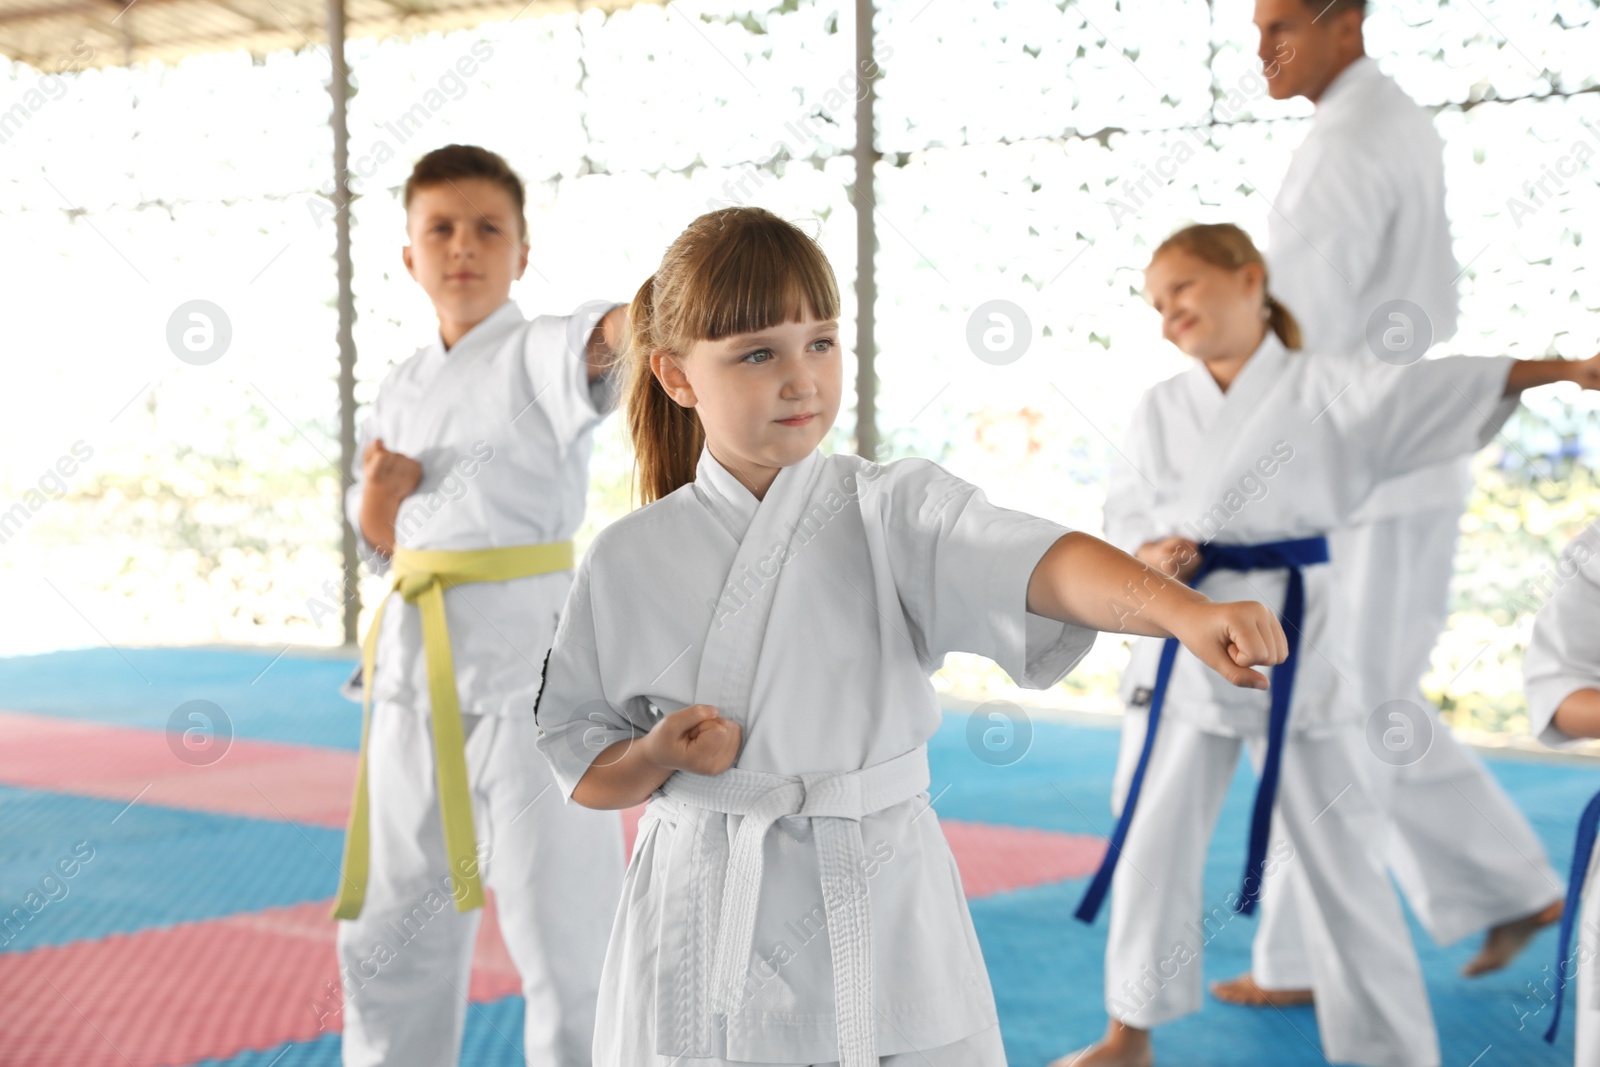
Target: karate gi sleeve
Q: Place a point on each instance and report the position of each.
(1129, 521)
(1403, 418)
(1563, 654)
(558, 370)
(576, 720)
(961, 566)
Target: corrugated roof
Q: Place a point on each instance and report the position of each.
(75, 34)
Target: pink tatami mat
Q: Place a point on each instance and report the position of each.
(193, 991)
(260, 779)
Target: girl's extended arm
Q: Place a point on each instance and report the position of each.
(1081, 580)
(1086, 582)
(1532, 373)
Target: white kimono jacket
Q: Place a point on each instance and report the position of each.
(1360, 221)
(1295, 443)
(813, 617)
(503, 424)
(1564, 652)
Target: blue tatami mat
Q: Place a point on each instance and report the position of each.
(268, 695)
(156, 866)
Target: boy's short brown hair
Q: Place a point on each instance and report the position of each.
(456, 161)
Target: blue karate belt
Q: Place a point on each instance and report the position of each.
(1588, 822)
(1271, 555)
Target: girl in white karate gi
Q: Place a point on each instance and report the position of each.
(750, 652)
(1239, 466)
(1561, 673)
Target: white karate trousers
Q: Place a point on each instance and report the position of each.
(1465, 857)
(1371, 1005)
(556, 871)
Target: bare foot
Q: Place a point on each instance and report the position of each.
(1244, 991)
(1123, 1046)
(1502, 943)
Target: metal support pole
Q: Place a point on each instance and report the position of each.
(866, 158)
(339, 90)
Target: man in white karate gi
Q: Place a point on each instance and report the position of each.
(1359, 226)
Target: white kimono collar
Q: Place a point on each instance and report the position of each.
(1344, 84)
(484, 337)
(730, 499)
(1261, 364)
(1224, 417)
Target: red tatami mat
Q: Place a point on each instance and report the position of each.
(193, 991)
(997, 859)
(261, 779)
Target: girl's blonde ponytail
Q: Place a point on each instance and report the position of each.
(667, 437)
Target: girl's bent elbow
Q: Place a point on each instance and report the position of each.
(586, 794)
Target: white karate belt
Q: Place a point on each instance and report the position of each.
(836, 803)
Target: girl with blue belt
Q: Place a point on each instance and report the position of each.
(1561, 672)
(1232, 474)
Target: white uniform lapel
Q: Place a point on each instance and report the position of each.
(733, 641)
(726, 678)
(1210, 472)
(444, 384)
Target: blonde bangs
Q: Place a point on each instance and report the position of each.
(755, 271)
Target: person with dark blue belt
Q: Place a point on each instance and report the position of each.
(1232, 474)
(1561, 673)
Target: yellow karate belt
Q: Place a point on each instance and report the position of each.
(421, 577)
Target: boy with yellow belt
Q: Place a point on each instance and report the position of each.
(472, 482)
